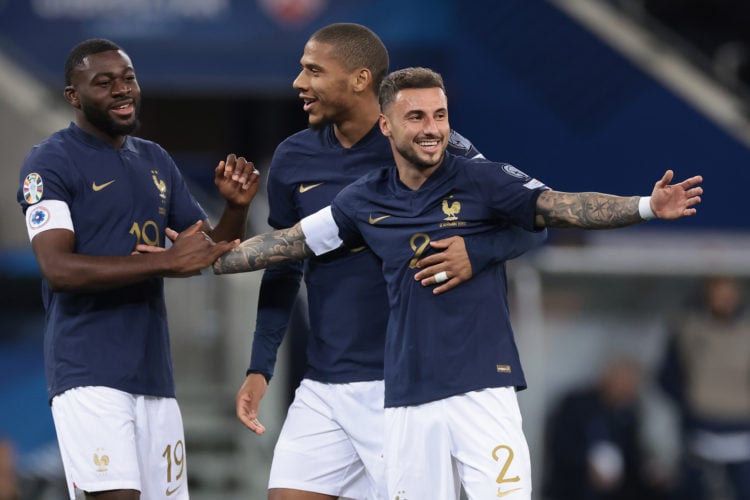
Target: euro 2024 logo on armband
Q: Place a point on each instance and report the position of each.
(33, 188)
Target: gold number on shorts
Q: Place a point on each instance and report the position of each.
(419, 243)
(501, 477)
(176, 457)
(143, 235)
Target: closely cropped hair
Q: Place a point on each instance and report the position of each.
(356, 46)
(83, 50)
(408, 78)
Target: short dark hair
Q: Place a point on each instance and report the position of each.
(83, 50)
(408, 78)
(356, 46)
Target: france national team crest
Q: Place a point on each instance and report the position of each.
(38, 217)
(33, 188)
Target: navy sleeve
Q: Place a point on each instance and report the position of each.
(278, 292)
(496, 247)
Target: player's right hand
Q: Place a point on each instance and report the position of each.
(248, 401)
(194, 250)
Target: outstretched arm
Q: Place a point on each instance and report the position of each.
(606, 211)
(263, 250)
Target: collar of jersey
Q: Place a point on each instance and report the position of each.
(333, 140)
(442, 174)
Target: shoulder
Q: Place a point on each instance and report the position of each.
(299, 142)
(461, 146)
(49, 155)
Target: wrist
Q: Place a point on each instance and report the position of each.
(644, 208)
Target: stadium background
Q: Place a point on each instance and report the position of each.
(599, 95)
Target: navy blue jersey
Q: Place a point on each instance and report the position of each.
(117, 198)
(346, 293)
(441, 345)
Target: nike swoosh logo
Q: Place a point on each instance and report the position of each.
(375, 220)
(304, 189)
(172, 492)
(504, 493)
(99, 187)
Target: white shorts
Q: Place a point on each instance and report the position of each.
(473, 439)
(112, 440)
(332, 441)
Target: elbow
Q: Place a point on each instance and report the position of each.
(56, 276)
(57, 282)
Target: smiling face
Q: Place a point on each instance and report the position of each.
(325, 85)
(416, 123)
(106, 95)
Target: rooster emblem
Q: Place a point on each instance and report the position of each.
(101, 462)
(451, 210)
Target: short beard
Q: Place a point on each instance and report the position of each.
(101, 120)
(418, 162)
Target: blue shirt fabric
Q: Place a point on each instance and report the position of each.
(116, 338)
(346, 292)
(441, 345)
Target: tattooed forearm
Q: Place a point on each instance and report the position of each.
(263, 250)
(586, 210)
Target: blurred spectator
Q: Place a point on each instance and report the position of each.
(706, 370)
(593, 444)
(8, 478)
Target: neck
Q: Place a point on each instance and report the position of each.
(115, 141)
(411, 175)
(358, 124)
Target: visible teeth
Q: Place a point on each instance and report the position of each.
(428, 144)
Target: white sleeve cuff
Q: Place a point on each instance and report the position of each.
(321, 231)
(644, 208)
(48, 214)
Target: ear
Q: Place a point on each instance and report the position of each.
(71, 96)
(361, 79)
(385, 127)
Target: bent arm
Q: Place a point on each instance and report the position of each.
(67, 270)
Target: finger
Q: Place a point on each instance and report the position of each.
(141, 248)
(687, 183)
(220, 169)
(171, 233)
(230, 164)
(431, 260)
(253, 181)
(666, 179)
(428, 272)
(444, 287)
(192, 229)
(442, 244)
(239, 172)
(223, 247)
(255, 426)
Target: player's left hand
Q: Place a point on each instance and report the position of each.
(451, 259)
(676, 200)
(237, 180)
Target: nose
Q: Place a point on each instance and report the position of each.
(300, 83)
(121, 87)
(429, 126)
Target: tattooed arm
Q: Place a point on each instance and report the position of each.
(263, 250)
(606, 211)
